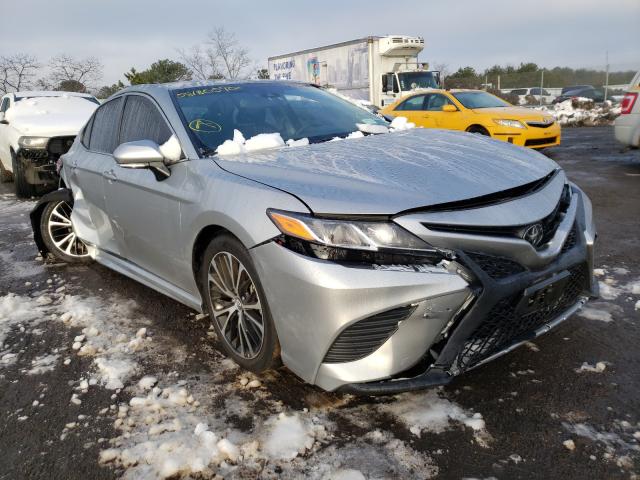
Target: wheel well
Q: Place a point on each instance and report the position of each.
(203, 239)
(477, 128)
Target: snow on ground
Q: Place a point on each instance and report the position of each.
(582, 112)
(619, 442)
(430, 411)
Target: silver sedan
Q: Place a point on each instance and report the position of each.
(365, 258)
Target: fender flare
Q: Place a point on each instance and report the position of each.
(62, 194)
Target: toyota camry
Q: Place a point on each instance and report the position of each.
(363, 256)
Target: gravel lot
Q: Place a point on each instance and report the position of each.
(567, 406)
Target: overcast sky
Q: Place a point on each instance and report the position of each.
(134, 33)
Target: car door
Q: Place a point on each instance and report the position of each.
(145, 212)
(433, 104)
(84, 171)
(413, 110)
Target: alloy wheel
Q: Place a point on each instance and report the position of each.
(236, 305)
(62, 233)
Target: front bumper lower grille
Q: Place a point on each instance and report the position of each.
(504, 326)
(365, 336)
(537, 142)
(496, 267)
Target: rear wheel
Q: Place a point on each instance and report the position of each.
(59, 235)
(480, 130)
(23, 188)
(237, 306)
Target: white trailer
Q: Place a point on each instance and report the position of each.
(377, 69)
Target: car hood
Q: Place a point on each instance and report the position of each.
(517, 113)
(50, 116)
(390, 173)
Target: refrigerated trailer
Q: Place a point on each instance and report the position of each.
(377, 69)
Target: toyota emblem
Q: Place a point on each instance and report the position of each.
(533, 234)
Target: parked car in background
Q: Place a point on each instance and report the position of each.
(477, 111)
(584, 91)
(537, 94)
(366, 260)
(35, 129)
(627, 125)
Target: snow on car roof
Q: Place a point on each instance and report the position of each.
(42, 93)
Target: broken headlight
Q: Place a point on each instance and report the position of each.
(352, 241)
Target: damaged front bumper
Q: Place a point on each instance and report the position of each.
(384, 331)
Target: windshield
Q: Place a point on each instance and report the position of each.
(413, 80)
(480, 100)
(212, 113)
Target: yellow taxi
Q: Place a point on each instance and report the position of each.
(480, 112)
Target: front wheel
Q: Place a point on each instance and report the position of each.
(477, 129)
(59, 236)
(237, 305)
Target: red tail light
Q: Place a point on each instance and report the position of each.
(628, 101)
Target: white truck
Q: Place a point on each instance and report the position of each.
(375, 69)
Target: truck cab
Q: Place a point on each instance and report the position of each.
(399, 84)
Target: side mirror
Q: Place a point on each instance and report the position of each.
(449, 108)
(3, 121)
(142, 154)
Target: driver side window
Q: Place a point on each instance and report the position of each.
(5, 105)
(142, 121)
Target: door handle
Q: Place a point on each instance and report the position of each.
(110, 175)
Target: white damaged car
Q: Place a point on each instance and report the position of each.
(35, 129)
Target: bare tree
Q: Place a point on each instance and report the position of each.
(65, 68)
(233, 57)
(202, 61)
(220, 56)
(17, 72)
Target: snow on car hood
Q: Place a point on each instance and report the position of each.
(50, 116)
(387, 174)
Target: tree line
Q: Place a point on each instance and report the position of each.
(530, 75)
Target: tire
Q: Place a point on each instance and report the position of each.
(237, 312)
(23, 188)
(5, 175)
(479, 130)
(59, 236)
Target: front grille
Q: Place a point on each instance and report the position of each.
(496, 267)
(503, 327)
(366, 336)
(571, 240)
(536, 142)
(549, 224)
(540, 124)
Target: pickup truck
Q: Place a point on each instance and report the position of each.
(36, 128)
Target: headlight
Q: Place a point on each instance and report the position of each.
(352, 240)
(509, 123)
(36, 143)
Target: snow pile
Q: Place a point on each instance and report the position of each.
(592, 313)
(288, 437)
(262, 141)
(580, 112)
(45, 115)
(401, 123)
(431, 412)
(163, 437)
(43, 364)
(599, 367)
(18, 311)
(103, 335)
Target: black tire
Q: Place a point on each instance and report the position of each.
(268, 354)
(74, 251)
(479, 130)
(5, 175)
(23, 188)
